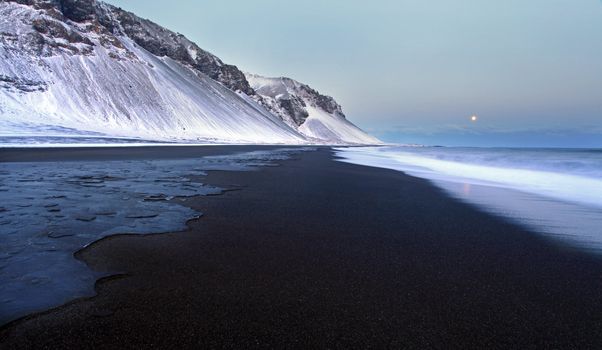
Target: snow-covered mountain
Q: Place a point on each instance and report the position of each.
(83, 67)
(303, 108)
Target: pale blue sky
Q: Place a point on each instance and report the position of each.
(415, 70)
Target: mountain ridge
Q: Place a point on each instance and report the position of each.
(305, 109)
(138, 80)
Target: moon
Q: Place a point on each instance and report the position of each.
(474, 118)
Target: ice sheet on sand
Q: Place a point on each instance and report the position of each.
(49, 210)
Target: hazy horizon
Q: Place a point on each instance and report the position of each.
(413, 71)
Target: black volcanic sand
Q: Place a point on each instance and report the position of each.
(323, 254)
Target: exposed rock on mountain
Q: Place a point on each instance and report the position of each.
(311, 113)
(93, 68)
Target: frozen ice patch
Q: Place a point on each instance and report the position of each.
(52, 209)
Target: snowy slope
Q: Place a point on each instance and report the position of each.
(303, 108)
(121, 92)
(87, 68)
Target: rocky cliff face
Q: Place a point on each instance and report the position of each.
(39, 39)
(162, 42)
(311, 113)
(108, 22)
(289, 98)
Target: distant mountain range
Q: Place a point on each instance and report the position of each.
(84, 67)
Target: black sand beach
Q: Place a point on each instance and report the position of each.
(322, 254)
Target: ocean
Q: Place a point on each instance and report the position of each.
(553, 192)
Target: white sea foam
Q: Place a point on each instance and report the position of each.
(556, 191)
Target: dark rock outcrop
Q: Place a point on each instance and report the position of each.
(110, 22)
(162, 42)
(295, 107)
(56, 30)
(78, 10)
(289, 98)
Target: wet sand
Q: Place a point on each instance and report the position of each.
(322, 254)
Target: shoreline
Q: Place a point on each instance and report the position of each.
(357, 261)
(546, 198)
(81, 199)
(161, 152)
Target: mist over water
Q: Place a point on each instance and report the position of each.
(553, 191)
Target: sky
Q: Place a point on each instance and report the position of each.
(415, 71)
